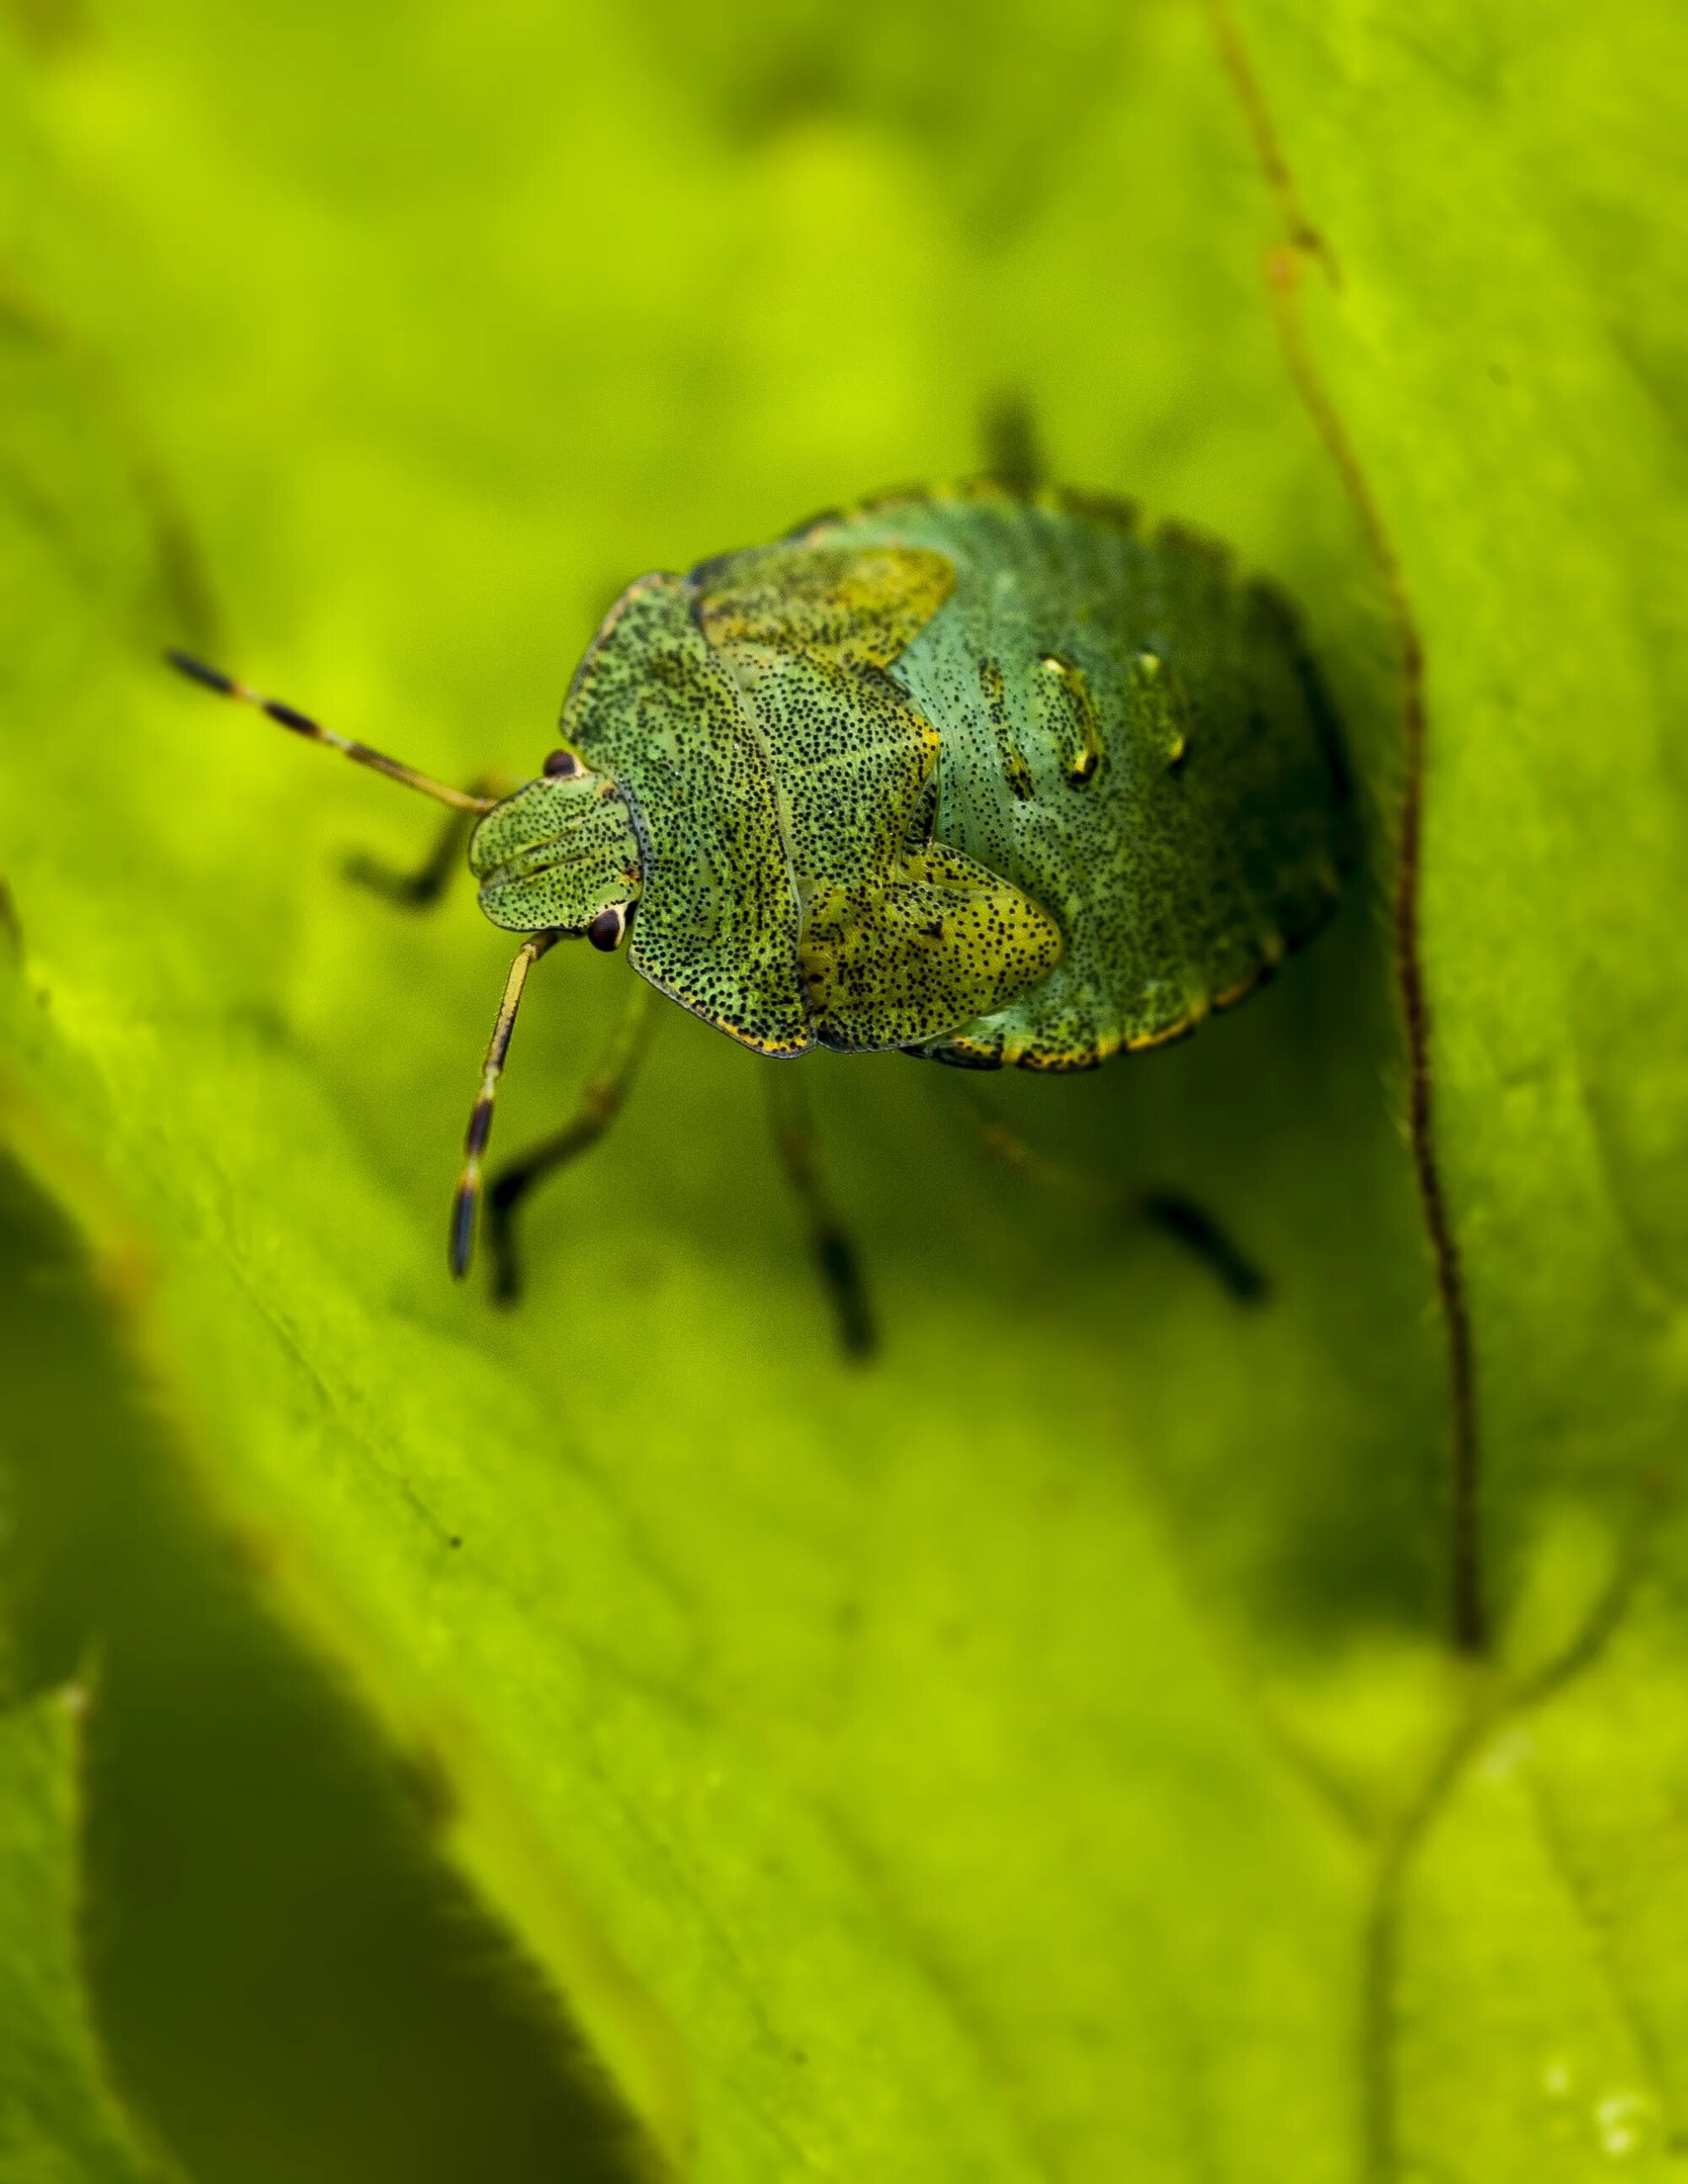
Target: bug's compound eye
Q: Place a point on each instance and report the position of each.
(608, 928)
(561, 766)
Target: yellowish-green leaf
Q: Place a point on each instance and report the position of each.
(59, 2121)
(1039, 1755)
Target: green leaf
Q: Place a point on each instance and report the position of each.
(289, 1976)
(60, 2122)
(1042, 1754)
(1512, 376)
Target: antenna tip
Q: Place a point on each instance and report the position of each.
(462, 1209)
(196, 670)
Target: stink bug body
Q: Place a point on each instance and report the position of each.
(986, 776)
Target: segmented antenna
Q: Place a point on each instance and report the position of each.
(464, 1206)
(301, 724)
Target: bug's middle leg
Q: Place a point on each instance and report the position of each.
(601, 1102)
(835, 1254)
(1175, 1215)
(421, 888)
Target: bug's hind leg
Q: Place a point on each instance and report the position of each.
(601, 1102)
(1175, 1215)
(1197, 1229)
(834, 1252)
(421, 889)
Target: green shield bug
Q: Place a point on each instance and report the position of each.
(987, 775)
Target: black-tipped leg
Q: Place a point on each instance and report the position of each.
(834, 1251)
(1199, 1233)
(602, 1101)
(1174, 1215)
(422, 888)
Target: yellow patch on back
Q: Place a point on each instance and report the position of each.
(859, 606)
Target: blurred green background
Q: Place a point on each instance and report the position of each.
(619, 1740)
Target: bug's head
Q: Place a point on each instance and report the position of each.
(559, 855)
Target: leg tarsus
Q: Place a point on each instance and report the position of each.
(504, 1193)
(602, 1101)
(1183, 1219)
(840, 1265)
(835, 1255)
(1173, 1214)
(511, 1184)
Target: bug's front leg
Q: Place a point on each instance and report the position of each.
(422, 888)
(834, 1251)
(605, 1093)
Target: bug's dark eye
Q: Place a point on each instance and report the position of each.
(562, 765)
(606, 929)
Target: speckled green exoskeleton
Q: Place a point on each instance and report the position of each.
(986, 776)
